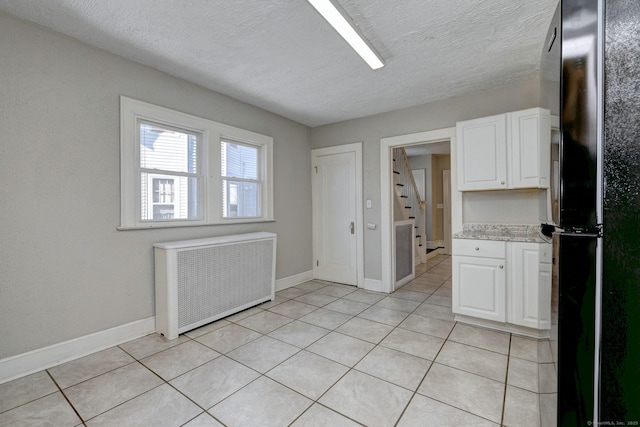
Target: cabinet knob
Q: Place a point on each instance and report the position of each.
(502, 266)
(477, 248)
(501, 182)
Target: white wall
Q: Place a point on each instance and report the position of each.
(65, 271)
(436, 115)
(504, 207)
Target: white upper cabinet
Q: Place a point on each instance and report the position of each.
(506, 151)
(530, 149)
(482, 153)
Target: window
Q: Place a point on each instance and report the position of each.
(241, 183)
(170, 175)
(179, 170)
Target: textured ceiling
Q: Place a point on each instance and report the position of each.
(282, 56)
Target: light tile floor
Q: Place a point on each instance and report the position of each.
(320, 354)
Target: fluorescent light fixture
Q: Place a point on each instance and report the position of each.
(341, 24)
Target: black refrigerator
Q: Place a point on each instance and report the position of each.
(594, 47)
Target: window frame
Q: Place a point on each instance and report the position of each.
(259, 177)
(132, 112)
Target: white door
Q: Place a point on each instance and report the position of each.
(334, 218)
(446, 200)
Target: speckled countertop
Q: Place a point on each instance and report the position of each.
(509, 233)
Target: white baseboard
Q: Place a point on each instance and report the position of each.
(372, 285)
(435, 244)
(296, 279)
(43, 358)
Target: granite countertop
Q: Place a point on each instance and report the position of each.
(504, 232)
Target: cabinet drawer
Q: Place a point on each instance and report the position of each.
(481, 248)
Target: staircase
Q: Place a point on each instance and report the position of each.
(408, 203)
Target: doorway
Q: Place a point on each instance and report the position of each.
(337, 214)
(443, 136)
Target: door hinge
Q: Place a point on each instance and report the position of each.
(317, 263)
(316, 168)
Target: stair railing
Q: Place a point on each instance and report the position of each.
(407, 191)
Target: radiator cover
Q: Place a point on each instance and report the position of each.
(203, 280)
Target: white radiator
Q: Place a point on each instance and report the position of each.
(199, 281)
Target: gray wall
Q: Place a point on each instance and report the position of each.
(65, 271)
(436, 115)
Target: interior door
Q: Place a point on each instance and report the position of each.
(334, 218)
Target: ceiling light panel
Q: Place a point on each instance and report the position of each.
(339, 21)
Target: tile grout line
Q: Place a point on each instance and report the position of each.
(353, 368)
(82, 420)
(168, 383)
(350, 368)
(425, 375)
(506, 379)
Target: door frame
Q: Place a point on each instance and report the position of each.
(386, 192)
(359, 226)
(447, 216)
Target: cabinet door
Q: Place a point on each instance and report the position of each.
(482, 153)
(530, 159)
(524, 264)
(545, 296)
(479, 287)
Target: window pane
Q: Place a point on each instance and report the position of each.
(167, 149)
(240, 199)
(239, 160)
(166, 197)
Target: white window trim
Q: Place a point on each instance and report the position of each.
(132, 110)
(260, 169)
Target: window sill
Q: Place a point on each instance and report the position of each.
(213, 224)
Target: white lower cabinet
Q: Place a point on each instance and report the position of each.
(505, 282)
(527, 288)
(479, 279)
(479, 287)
